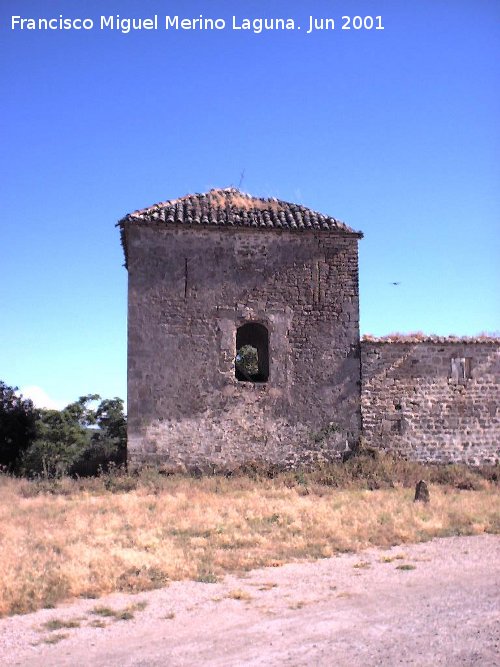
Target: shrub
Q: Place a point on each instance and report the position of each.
(18, 419)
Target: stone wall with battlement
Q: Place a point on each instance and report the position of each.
(432, 399)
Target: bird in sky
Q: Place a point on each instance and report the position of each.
(395, 283)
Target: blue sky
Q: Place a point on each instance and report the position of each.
(395, 131)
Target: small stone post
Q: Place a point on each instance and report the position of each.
(421, 492)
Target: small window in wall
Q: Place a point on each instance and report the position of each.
(460, 369)
(252, 353)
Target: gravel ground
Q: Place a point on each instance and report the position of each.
(435, 603)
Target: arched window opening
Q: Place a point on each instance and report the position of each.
(252, 353)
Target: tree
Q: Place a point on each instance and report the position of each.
(111, 420)
(110, 440)
(62, 437)
(78, 440)
(18, 418)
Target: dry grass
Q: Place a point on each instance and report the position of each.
(72, 538)
(239, 594)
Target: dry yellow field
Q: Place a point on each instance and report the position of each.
(86, 540)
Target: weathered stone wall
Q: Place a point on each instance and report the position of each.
(189, 290)
(433, 400)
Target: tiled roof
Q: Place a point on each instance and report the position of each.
(420, 337)
(231, 208)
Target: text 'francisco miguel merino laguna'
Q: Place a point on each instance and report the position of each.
(256, 25)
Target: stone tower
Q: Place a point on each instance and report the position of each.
(243, 333)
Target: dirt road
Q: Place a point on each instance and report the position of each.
(429, 604)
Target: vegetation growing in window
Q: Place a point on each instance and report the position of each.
(247, 361)
(252, 353)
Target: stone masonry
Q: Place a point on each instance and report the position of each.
(432, 399)
(192, 285)
(211, 273)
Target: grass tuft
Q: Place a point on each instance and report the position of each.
(57, 624)
(267, 586)
(362, 565)
(126, 614)
(55, 639)
(239, 594)
(104, 611)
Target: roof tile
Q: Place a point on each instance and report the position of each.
(230, 207)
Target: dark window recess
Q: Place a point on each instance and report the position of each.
(252, 353)
(461, 369)
(398, 426)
